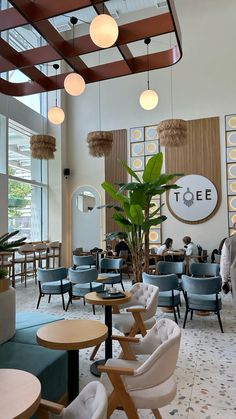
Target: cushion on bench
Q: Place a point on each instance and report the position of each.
(30, 319)
(50, 366)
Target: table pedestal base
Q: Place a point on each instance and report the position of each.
(93, 367)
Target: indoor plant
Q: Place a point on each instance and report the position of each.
(7, 246)
(133, 204)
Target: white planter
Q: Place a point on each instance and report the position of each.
(7, 314)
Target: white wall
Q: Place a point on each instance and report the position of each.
(203, 86)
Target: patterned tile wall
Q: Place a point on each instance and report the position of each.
(230, 138)
(144, 143)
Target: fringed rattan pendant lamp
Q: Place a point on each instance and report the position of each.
(100, 143)
(42, 146)
(172, 132)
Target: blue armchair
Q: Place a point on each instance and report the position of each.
(52, 281)
(202, 294)
(169, 295)
(204, 269)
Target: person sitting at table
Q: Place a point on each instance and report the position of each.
(191, 249)
(121, 245)
(163, 249)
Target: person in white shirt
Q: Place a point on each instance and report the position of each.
(165, 247)
(228, 263)
(191, 249)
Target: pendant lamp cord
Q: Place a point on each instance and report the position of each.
(56, 66)
(99, 97)
(171, 86)
(147, 41)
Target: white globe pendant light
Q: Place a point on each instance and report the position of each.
(103, 31)
(56, 115)
(74, 83)
(149, 98)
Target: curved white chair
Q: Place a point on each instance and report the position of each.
(91, 403)
(149, 384)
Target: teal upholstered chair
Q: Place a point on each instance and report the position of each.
(52, 281)
(204, 269)
(81, 282)
(178, 268)
(202, 294)
(109, 264)
(83, 262)
(164, 268)
(169, 296)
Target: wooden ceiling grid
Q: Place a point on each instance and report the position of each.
(37, 14)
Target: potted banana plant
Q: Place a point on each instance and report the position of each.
(133, 209)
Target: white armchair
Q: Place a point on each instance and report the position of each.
(91, 403)
(137, 316)
(150, 384)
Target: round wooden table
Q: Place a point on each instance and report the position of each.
(72, 335)
(96, 299)
(20, 394)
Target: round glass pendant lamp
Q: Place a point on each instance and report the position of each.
(74, 84)
(103, 31)
(148, 99)
(56, 115)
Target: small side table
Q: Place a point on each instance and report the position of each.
(20, 394)
(94, 298)
(72, 335)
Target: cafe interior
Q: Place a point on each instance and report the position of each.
(117, 191)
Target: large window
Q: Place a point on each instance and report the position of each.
(27, 186)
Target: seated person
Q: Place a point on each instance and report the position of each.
(121, 245)
(217, 251)
(191, 249)
(165, 247)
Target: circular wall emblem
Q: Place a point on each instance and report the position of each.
(195, 200)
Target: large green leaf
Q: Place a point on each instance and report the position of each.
(111, 206)
(112, 192)
(130, 171)
(153, 222)
(153, 168)
(157, 211)
(165, 178)
(136, 214)
(138, 197)
(127, 187)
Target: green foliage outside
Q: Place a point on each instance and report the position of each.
(18, 193)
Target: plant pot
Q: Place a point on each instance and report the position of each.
(4, 284)
(7, 312)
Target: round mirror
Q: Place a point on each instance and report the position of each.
(85, 201)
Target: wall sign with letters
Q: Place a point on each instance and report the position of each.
(195, 200)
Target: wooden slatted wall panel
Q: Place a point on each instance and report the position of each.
(200, 155)
(114, 172)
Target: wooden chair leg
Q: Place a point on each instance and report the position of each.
(157, 414)
(93, 354)
(123, 397)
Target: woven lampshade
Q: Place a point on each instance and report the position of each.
(42, 147)
(172, 132)
(100, 143)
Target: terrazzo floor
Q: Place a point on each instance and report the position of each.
(206, 369)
